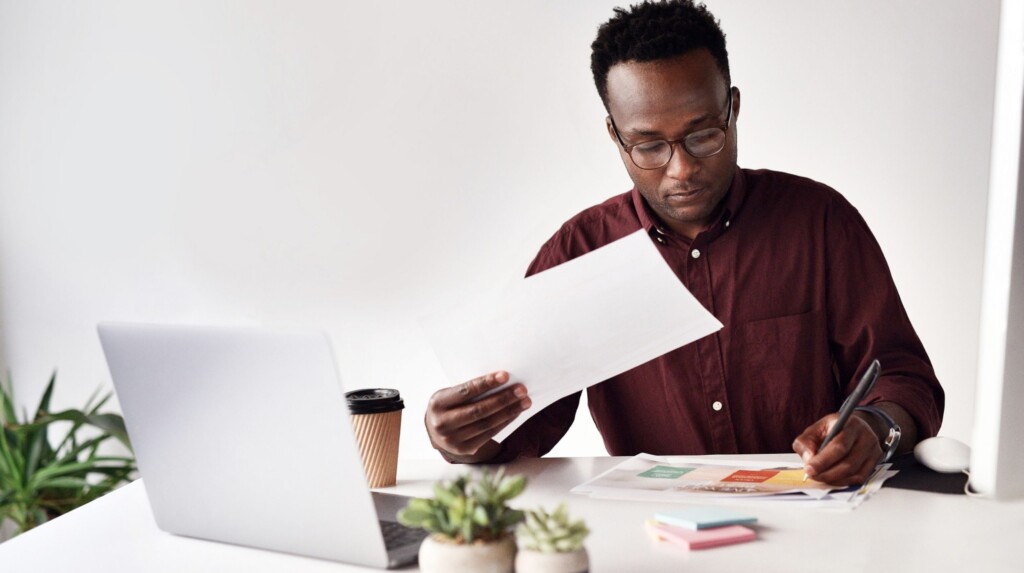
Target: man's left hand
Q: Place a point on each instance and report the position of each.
(848, 459)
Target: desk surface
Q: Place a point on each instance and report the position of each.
(897, 530)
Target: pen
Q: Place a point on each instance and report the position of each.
(846, 410)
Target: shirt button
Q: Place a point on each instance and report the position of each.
(695, 253)
(716, 406)
(660, 240)
(727, 224)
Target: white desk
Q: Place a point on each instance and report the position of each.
(897, 530)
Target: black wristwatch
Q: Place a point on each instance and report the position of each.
(892, 441)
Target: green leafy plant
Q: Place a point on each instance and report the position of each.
(40, 480)
(465, 510)
(551, 532)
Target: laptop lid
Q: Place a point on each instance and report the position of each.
(243, 436)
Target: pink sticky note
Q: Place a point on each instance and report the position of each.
(703, 538)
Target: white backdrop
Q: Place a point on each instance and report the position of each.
(355, 167)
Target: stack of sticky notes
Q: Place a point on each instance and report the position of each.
(702, 527)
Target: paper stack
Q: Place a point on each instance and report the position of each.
(702, 527)
(688, 479)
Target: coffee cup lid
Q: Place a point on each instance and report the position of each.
(374, 400)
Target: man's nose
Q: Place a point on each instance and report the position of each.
(682, 165)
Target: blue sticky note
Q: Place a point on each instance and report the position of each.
(704, 517)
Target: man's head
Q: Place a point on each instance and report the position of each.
(663, 74)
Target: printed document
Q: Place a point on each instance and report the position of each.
(574, 325)
(680, 478)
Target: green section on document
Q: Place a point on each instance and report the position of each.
(665, 472)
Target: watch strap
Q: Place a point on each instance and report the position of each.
(892, 440)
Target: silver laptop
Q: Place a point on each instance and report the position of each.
(243, 436)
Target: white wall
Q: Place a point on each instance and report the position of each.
(353, 167)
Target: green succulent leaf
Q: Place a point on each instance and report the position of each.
(512, 487)
(467, 531)
(412, 518)
(480, 516)
(444, 495)
(420, 504)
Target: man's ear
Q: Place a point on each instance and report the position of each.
(735, 103)
(611, 130)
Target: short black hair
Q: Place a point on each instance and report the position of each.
(654, 31)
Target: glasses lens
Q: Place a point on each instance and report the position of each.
(705, 142)
(651, 154)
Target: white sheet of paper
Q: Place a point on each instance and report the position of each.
(574, 325)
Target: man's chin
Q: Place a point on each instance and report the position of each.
(687, 221)
(693, 216)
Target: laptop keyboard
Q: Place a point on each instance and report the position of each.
(398, 535)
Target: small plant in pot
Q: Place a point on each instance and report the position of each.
(470, 523)
(551, 543)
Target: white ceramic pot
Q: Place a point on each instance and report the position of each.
(539, 562)
(7, 529)
(441, 557)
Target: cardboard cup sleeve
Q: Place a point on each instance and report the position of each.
(377, 435)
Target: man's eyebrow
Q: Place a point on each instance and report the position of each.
(645, 132)
(642, 132)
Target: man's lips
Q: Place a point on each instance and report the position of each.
(684, 195)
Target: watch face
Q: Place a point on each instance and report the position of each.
(890, 440)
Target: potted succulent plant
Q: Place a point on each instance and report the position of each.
(39, 479)
(551, 543)
(470, 523)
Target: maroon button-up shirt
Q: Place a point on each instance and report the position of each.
(795, 275)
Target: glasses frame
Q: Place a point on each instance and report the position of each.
(681, 141)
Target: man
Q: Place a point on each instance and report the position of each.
(785, 263)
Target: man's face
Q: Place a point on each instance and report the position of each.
(669, 99)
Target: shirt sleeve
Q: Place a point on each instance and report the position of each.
(867, 320)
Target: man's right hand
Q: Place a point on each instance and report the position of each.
(462, 428)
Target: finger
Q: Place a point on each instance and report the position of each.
(866, 470)
(474, 412)
(467, 391)
(840, 473)
(445, 423)
(868, 453)
(849, 472)
(454, 426)
(806, 444)
(487, 427)
(497, 423)
(834, 453)
(468, 439)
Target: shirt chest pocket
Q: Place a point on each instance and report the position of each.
(784, 363)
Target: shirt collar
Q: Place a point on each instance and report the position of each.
(732, 204)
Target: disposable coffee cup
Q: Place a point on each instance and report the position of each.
(376, 415)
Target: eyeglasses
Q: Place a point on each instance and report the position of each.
(657, 153)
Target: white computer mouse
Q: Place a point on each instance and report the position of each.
(942, 454)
